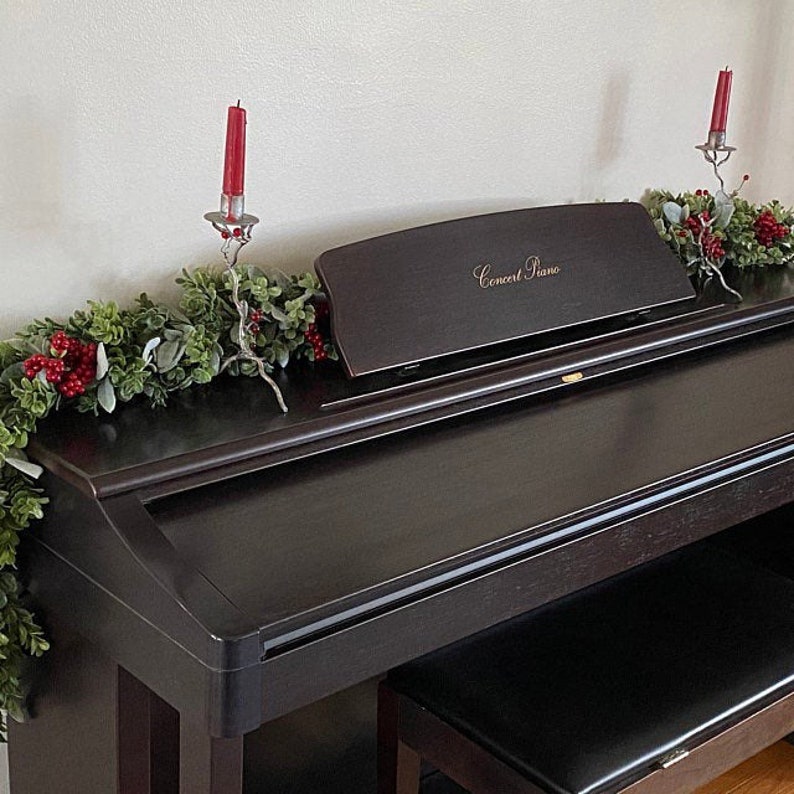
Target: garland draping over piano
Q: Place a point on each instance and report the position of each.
(105, 355)
(724, 228)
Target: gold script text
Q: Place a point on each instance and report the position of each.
(532, 268)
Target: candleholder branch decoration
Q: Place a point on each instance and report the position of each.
(708, 231)
(716, 152)
(235, 231)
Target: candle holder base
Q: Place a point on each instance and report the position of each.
(713, 149)
(235, 233)
(228, 223)
(705, 147)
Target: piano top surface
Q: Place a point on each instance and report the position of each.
(233, 419)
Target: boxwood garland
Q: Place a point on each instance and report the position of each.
(105, 355)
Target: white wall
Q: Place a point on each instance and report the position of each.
(364, 116)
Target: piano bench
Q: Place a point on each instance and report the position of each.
(652, 682)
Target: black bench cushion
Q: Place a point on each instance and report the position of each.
(594, 689)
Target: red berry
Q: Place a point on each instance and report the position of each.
(225, 235)
(237, 231)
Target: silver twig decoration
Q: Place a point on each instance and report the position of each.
(236, 232)
(716, 152)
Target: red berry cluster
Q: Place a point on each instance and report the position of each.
(314, 336)
(768, 230)
(72, 365)
(254, 318)
(315, 339)
(712, 245)
(703, 192)
(236, 232)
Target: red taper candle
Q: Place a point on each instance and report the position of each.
(722, 97)
(234, 165)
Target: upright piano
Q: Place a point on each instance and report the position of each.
(529, 403)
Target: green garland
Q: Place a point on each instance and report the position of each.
(106, 355)
(148, 350)
(740, 234)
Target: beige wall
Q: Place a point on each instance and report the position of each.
(364, 116)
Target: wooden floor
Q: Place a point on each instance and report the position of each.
(769, 772)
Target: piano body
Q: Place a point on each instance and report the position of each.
(209, 568)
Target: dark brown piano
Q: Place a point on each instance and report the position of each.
(212, 574)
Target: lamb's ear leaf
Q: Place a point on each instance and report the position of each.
(673, 212)
(106, 395)
(101, 361)
(19, 460)
(149, 347)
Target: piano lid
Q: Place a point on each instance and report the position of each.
(464, 284)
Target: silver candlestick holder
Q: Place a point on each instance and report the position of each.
(235, 228)
(716, 152)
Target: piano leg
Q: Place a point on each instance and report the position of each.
(208, 765)
(148, 744)
(398, 764)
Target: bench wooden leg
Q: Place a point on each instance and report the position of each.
(398, 764)
(408, 733)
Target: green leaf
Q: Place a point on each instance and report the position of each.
(672, 212)
(13, 372)
(279, 315)
(19, 460)
(169, 353)
(721, 198)
(724, 215)
(149, 347)
(101, 361)
(107, 395)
